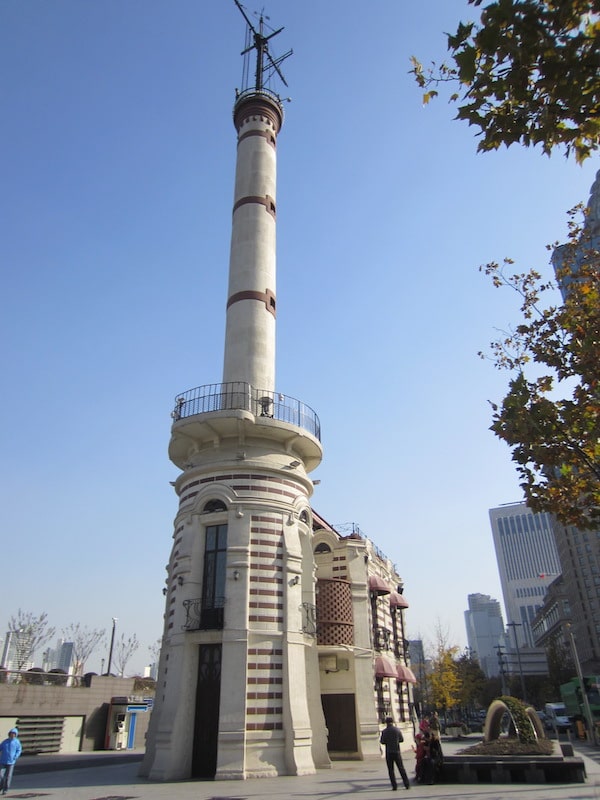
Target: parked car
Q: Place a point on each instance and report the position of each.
(556, 717)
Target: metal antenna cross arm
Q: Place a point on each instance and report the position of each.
(264, 60)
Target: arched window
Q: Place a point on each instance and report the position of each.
(214, 505)
(304, 516)
(322, 548)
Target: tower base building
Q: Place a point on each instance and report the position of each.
(239, 689)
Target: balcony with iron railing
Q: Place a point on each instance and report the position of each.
(382, 638)
(203, 615)
(309, 619)
(242, 396)
(217, 410)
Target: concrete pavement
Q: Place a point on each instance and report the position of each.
(113, 776)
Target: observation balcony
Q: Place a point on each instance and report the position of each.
(217, 411)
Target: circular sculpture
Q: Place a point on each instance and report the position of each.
(525, 721)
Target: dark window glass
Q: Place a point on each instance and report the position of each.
(213, 585)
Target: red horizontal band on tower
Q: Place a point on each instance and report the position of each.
(266, 201)
(267, 297)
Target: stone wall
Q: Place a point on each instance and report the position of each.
(90, 702)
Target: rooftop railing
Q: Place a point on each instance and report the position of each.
(243, 396)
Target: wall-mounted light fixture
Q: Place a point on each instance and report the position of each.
(165, 590)
(295, 580)
(294, 464)
(236, 574)
(180, 580)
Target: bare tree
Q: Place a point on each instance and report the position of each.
(124, 649)
(154, 649)
(84, 642)
(31, 633)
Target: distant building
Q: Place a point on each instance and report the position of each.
(65, 655)
(485, 631)
(550, 628)
(60, 657)
(527, 562)
(421, 667)
(17, 651)
(580, 558)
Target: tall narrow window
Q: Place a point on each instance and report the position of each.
(213, 585)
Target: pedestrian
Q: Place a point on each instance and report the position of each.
(10, 750)
(391, 737)
(434, 725)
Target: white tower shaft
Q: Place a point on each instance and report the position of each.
(250, 328)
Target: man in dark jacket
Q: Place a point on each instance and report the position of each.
(391, 737)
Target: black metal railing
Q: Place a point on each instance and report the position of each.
(204, 616)
(384, 710)
(243, 396)
(382, 637)
(309, 619)
(401, 650)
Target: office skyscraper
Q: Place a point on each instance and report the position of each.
(527, 562)
(485, 631)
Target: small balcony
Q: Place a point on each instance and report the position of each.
(244, 397)
(222, 414)
(382, 638)
(309, 619)
(204, 616)
(401, 650)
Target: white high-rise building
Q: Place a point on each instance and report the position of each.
(527, 563)
(16, 654)
(485, 631)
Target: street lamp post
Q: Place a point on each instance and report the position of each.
(514, 626)
(112, 642)
(502, 672)
(586, 703)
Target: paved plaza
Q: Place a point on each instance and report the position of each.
(114, 777)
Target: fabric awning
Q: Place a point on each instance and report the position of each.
(385, 668)
(405, 674)
(378, 585)
(398, 600)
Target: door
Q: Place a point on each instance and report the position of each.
(131, 732)
(206, 722)
(340, 718)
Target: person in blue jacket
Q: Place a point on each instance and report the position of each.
(10, 750)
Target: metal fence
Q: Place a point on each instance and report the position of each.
(243, 396)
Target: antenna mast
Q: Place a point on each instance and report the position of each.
(266, 65)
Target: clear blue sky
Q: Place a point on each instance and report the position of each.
(118, 156)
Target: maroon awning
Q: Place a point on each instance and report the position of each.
(405, 674)
(378, 585)
(385, 668)
(398, 600)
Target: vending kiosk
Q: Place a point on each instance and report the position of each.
(122, 721)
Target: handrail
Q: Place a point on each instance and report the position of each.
(239, 395)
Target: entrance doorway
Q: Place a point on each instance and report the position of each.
(340, 718)
(206, 721)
